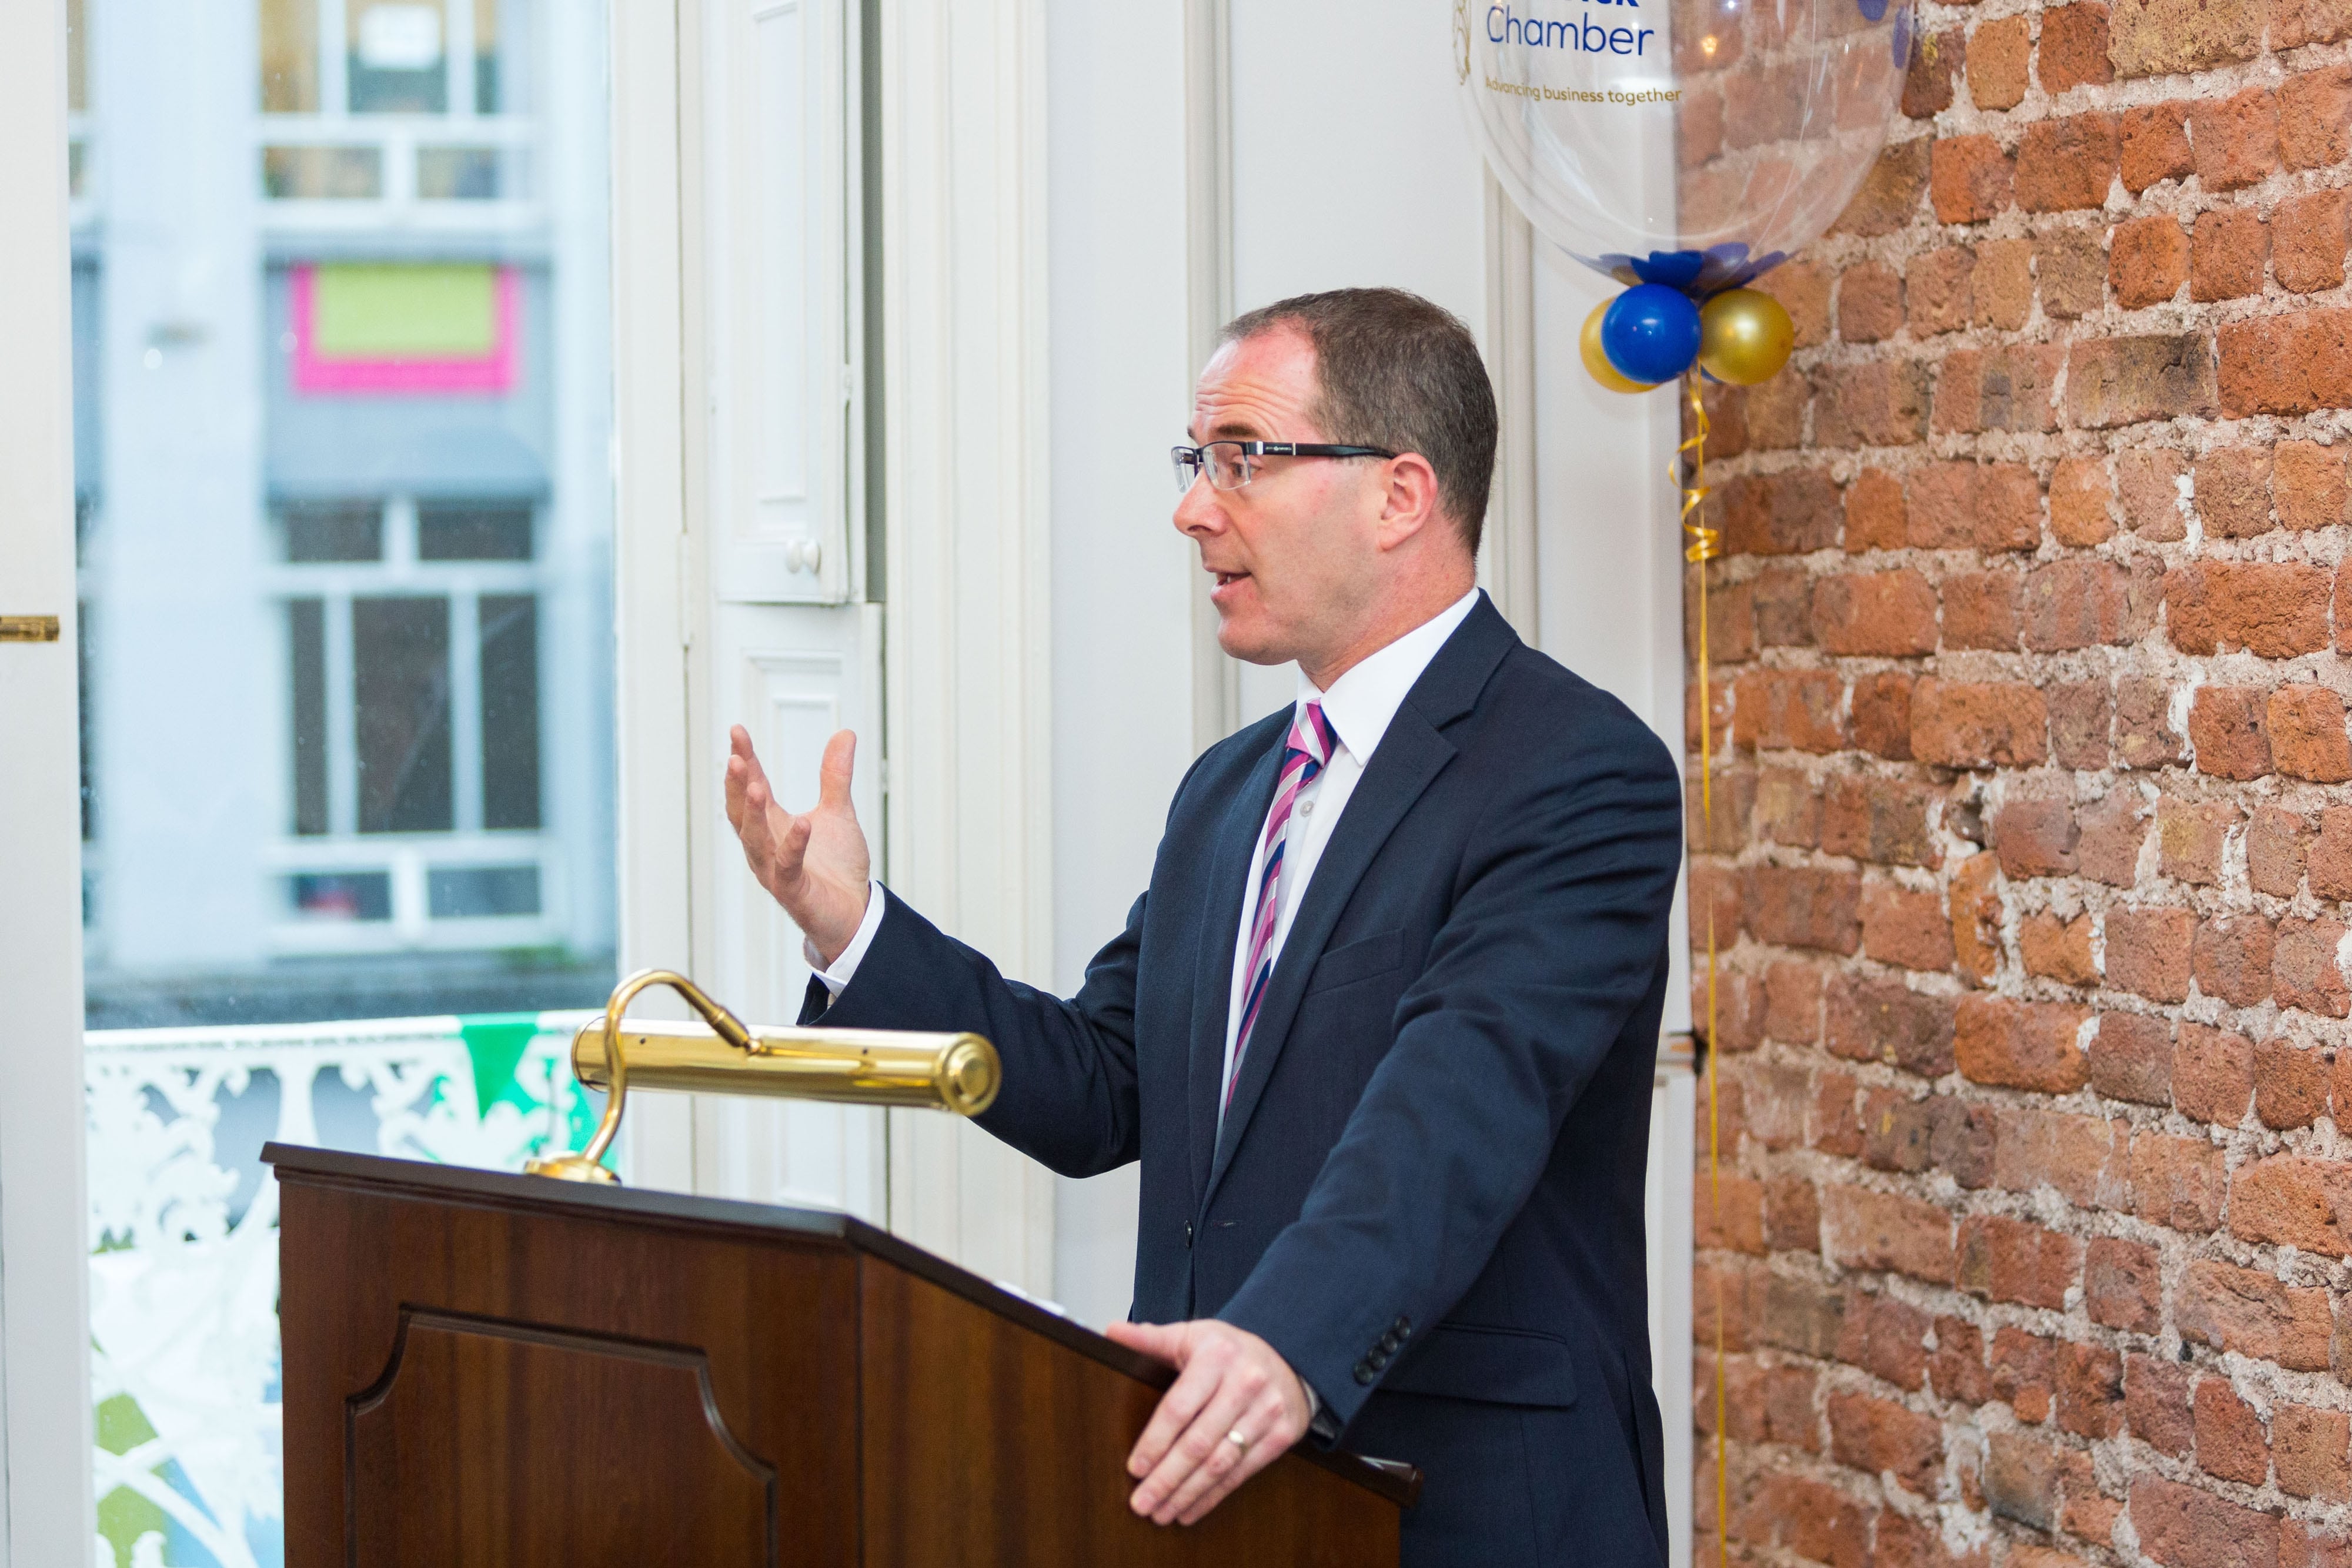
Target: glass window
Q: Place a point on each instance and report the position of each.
(400, 703)
(399, 56)
(322, 173)
(477, 531)
(344, 491)
(319, 531)
(77, 97)
(509, 711)
(487, 75)
(366, 896)
(289, 56)
(461, 893)
(307, 652)
(77, 56)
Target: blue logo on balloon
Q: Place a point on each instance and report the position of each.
(1701, 274)
(1650, 333)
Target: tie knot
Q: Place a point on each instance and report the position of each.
(1311, 734)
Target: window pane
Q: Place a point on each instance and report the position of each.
(321, 173)
(322, 531)
(470, 174)
(306, 635)
(509, 711)
(342, 895)
(289, 56)
(399, 63)
(478, 891)
(489, 80)
(400, 666)
(77, 56)
(474, 530)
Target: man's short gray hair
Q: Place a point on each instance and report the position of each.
(1394, 370)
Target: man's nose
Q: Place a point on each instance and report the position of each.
(1197, 510)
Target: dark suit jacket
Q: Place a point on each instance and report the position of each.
(1427, 1191)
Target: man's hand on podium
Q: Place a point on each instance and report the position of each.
(1235, 1407)
(816, 864)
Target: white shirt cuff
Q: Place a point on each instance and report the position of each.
(836, 976)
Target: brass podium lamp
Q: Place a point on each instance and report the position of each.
(958, 1073)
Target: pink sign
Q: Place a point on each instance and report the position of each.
(322, 371)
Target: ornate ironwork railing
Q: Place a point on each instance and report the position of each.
(183, 1245)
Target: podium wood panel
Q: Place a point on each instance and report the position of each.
(1026, 1445)
(511, 1372)
(476, 1403)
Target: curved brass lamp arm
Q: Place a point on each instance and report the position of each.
(588, 1165)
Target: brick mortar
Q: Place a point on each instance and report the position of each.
(1796, 1498)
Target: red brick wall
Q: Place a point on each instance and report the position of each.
(2033, 833)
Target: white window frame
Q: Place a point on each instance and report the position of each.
(397, 140)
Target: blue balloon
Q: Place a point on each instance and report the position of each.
(1650, 333)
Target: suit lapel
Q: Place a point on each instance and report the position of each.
(1410, 754)
(1212, 982)
(1409, 759)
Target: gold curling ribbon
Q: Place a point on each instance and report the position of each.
(1706, 544)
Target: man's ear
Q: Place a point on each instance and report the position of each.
(1411, 502)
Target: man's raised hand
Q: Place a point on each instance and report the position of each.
(814, 864)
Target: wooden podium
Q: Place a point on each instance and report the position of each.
(491, 1371)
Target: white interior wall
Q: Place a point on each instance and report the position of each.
(1350, 165)
(1609, 542)
(1121, 383)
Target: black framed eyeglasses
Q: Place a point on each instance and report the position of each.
(1231, 465)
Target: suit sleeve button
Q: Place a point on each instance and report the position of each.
(1364, 1372)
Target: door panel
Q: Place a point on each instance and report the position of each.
(791, 676)
(780, 189)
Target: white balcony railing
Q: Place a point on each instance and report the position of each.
(183, 1243)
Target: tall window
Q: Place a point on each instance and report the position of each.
(413, 661)
(342, 445)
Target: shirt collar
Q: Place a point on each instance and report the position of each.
(1360, 703)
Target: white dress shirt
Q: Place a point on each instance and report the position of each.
(1360, 706)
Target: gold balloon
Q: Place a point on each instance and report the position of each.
(1744, 337)
(1597, 363)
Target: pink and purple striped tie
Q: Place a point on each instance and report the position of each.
(1312, 742)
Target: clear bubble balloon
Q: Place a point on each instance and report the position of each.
(1693, 143)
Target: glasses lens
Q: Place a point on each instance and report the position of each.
(1229, 467)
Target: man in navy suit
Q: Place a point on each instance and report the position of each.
(1382, 1029)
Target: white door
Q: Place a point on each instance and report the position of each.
(44, 1368)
